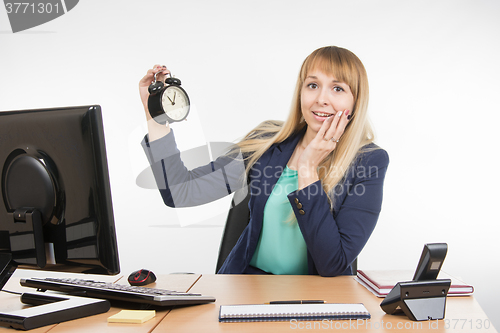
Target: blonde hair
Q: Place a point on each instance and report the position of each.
(346, 67)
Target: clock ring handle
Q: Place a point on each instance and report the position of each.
(157, 85)
(170, 75)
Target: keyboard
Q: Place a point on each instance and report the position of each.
(117, 292)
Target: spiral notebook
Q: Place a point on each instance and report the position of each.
(285, 312)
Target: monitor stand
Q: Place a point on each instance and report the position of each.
(47, 309)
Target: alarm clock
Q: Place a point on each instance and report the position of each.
(168, 102)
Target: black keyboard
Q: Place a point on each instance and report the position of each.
(119, 292)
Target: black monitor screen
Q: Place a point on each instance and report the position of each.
(55, 200)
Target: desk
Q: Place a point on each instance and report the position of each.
(463, 314)
(256, 289)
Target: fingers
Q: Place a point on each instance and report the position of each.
(160, 70)
(324, 127)
(337, 126)
(334, 124)
(344, 120)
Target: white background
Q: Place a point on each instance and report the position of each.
(434, 81)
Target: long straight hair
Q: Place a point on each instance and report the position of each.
(346, 67)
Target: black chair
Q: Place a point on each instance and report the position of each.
(237, 220)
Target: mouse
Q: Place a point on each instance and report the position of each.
(141, 277)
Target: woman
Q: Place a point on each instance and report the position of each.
(315, 180)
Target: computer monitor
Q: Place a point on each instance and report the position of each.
(55, 201)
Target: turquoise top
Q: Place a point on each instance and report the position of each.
(281, 248)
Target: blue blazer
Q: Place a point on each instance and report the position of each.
(334, 238)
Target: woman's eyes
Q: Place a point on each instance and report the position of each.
(336, 88)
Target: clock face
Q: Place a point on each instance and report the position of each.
(175, 103)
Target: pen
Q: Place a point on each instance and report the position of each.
(297, 302)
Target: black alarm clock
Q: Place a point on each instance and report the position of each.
(168, 102)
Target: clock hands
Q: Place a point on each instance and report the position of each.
(172, 101)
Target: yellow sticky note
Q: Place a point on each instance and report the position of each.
(132, 316)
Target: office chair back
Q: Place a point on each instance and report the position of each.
(237, 220)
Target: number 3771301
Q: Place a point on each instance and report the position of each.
(32, 8)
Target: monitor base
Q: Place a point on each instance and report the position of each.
(47, 309)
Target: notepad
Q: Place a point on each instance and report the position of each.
(132, 316)
(285, 312)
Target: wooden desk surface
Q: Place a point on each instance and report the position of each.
(463, 314)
